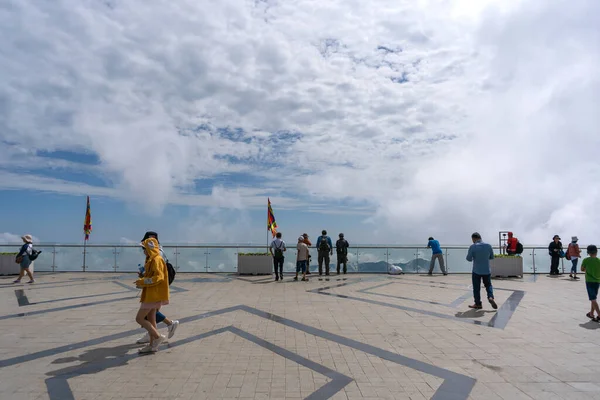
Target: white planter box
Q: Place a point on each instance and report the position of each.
(255, 265)
(507, 266)
(8, 266)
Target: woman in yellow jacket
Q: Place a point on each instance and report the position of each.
(155, 293)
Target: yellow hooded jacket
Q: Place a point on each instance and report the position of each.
(155, 282)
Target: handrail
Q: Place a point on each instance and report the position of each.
(253, 246)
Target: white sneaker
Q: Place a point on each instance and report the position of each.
(156, 342)
(144, 339)
(172, 328)
(147, 350)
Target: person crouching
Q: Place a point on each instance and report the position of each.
(155, 293)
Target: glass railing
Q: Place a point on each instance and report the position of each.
(188, 258)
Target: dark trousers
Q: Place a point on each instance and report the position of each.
(487, 282)
(341, 259)
(554, 265)
(278, 262)
(324, 258)
(160, 317)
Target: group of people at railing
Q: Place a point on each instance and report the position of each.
(324, 248)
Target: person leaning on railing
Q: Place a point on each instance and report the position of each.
(555, 250)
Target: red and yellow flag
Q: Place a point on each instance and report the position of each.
(87, 225)
(271, 224)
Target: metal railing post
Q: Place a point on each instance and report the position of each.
(533, 259)
(446, 261)
(115, 254)
(206, 253)
(53, 258)
(417, 259)
(176, 259)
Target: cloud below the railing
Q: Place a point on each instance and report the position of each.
(427, 118)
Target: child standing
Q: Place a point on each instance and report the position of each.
(591, 267)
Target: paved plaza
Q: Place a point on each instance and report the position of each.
(72, 336)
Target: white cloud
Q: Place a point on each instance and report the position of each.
(11, 238)
(493, 128)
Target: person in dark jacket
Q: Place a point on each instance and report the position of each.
(341, 249)
(555, 249)
(24, 260)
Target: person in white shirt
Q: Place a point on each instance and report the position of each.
(277, 249)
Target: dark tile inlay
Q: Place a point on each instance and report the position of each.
(71, 307)
(131, 287)
(454, 387)
(454, 304)
(499, 321)
(58, 387)
(66, 298)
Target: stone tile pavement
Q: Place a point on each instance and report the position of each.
(72, 336)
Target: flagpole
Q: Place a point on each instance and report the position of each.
(84, 251)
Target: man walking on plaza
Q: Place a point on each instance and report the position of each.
(277, 248)
(341, 249)
(325, 249)
(480, 254)
(436, 254)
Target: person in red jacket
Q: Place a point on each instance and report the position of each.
(511, 244)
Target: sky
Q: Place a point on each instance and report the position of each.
(390, 121)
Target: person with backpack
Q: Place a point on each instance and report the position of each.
(341, 249)
(172, 325)
(25, 259)
(325, 250)
(277, 248)
(573, 254)
(155, 293)
(555, 250)
(511, 244)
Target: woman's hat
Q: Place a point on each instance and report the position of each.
(574, 238)
(301, 239)
(27, 238)
(556, 237)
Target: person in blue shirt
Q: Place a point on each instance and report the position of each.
(436, 254)
(480, 254)
(325, 250)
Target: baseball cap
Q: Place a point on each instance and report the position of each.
(301, 238)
